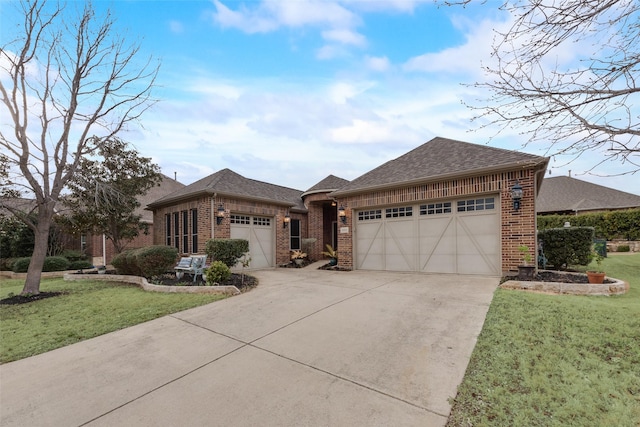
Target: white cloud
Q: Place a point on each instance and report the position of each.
(345, 37)
(176, 27)
(377, 63)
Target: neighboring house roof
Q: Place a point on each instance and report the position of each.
(327, 185)
(566, 194)
(231, 184)
(438, 159)
(166, 186)
(20, 204)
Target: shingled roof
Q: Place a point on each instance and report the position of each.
(440, 158)
(228, 183)
(566, 194)
(166, 186)
(327, 185)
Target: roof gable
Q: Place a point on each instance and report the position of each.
(563, 193)
(231, 184)
(439, 158)
(328, 184)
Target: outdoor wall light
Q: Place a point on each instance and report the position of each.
(516, 195)
(342, 214)
(286, 221)
(220, 214)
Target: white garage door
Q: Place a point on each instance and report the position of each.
(458, 236)
(259, 232)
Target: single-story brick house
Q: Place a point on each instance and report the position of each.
(444, 207)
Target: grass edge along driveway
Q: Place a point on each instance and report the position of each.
(557, 360)
(85, 310)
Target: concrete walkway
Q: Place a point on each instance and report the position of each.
(305, 348)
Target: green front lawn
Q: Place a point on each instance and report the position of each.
(87, 309)
(550, 360)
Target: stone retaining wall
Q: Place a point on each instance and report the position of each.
(618, 287)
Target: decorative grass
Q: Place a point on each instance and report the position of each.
(557, 360)
(87, 309)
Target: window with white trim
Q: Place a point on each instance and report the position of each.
(435, 208)
(369, 215)
(482, 204)
(240, 219)
(262, 221)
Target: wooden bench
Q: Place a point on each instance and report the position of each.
(193, 265)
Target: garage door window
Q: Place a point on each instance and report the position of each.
(399, 212)
(369, 215)
(476, 204)
(240, 219)
(435, 208)
(265, 222)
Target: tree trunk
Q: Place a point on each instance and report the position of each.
(34, 273)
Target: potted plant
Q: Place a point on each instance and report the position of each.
(332, 254)
(102, 269)
(298, 257)
(596, 277)
(526, 271)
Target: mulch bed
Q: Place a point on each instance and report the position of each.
(170, 279)
(559, 276)
(24, 299)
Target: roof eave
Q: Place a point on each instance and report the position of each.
(538, 165)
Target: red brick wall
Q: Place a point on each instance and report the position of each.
(319, 220)
(518, 228)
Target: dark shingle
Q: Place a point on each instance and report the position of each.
(437, 158)
(231, 184)
(563, 193)
(330, 183)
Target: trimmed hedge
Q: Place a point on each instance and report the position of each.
(608, 225)
(567, 246)
(147, 262)
(229, 251)
(155, 260)
(51, 263)
(80, 265)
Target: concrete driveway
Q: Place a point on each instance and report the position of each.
(305, 348)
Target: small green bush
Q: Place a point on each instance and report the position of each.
(80, 265)
(567, 246)
(21, 265)
(623, 248)
(217, 273)
(55, 263)
(228, 251)
(6, 264)
(155, 260)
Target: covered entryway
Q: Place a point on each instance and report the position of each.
(258, 230)
(458, 236)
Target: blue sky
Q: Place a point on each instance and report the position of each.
(291, 91)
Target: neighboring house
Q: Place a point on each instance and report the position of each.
(569, 196)
(444, 207)
(99, 248)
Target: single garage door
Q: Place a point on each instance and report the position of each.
(458, 236)
(258, 231)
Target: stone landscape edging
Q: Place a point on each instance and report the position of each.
(142, 282)
(618, 287)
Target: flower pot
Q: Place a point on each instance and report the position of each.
(595, 277)
(526, 272)
(333, 261)
(298, 261)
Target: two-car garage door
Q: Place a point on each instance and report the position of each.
(458, 236)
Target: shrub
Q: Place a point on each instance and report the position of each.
(624, 224)
(132, 262)
(21, 265)
(124, 263)
(228, 251)
(217, 273)
(55, 263)
(623, 248)
(155, 260)
(567, 246)
(6, 264)
(80, 265)
(73, 256)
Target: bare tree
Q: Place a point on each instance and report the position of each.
(68, 81)
(566, 74)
